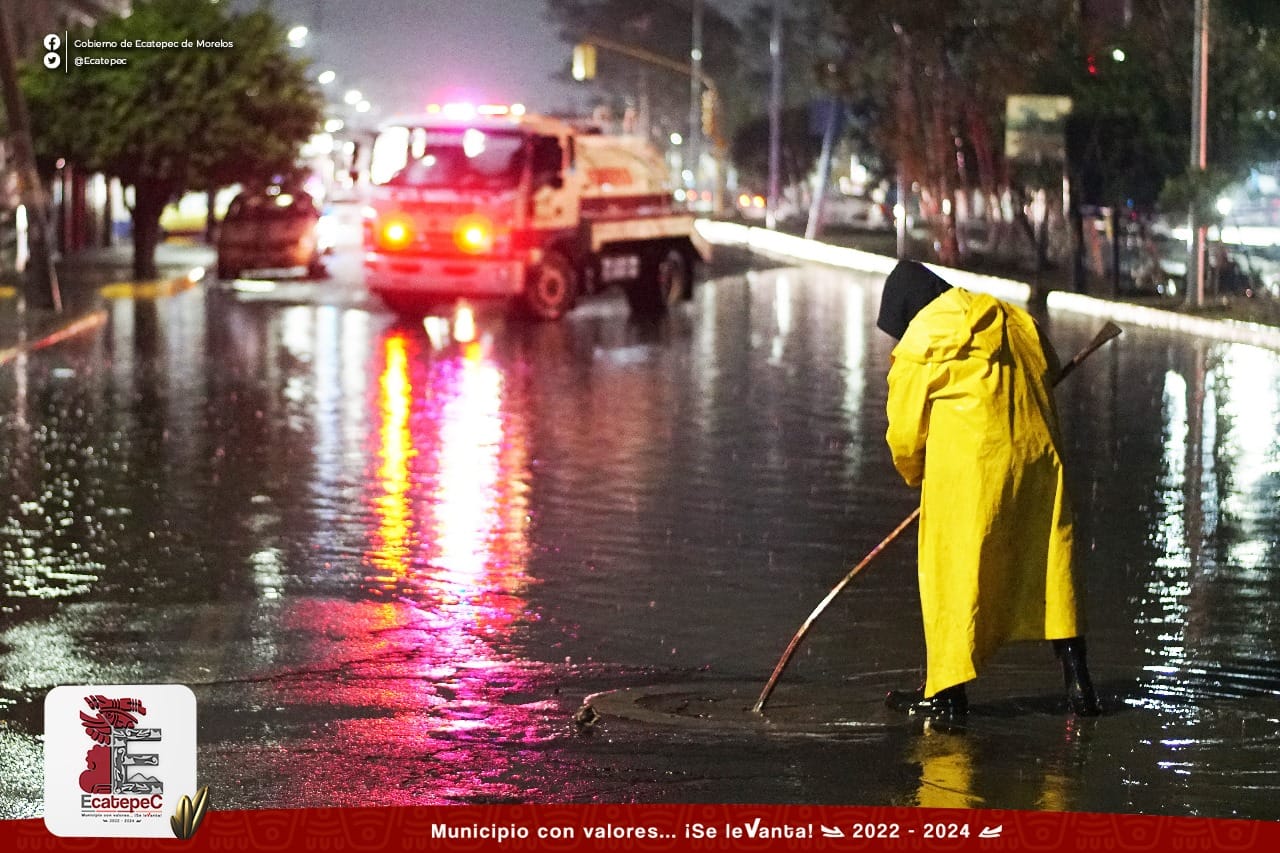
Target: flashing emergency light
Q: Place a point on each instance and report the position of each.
(473, 235)
(463, 111)
(395, 234)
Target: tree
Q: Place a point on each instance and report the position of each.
(177, 118)
(938, 75)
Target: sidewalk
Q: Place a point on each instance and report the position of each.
(1253, 321)
(81, 279)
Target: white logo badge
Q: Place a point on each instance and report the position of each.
(118, 758)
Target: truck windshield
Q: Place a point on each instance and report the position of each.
(448, 158)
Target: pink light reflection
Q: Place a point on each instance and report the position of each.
(451, 512)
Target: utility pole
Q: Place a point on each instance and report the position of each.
(1199, 152)
(694, 143)
(814, 225)
(41, 277)
(775, 117)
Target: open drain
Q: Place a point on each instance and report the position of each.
(1017, 697)
(846, 707)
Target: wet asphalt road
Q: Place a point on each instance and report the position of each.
(392, 567)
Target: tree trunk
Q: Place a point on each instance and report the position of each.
(108, 235)
(149, 204)
(944, 167)
(210, 217)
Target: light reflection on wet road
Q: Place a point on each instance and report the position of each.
(392, 571)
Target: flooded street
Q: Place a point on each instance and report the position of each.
(392, 566)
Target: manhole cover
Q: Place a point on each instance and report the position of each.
(848, 706)
(1004, 696)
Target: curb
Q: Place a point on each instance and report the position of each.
(791, 247)
(83, 323)
(95, 318)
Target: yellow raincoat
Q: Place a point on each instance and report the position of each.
(972, 421)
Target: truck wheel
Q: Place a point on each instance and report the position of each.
(316, 267)
(666, 277)
(550, 288)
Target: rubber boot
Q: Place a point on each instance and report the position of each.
(948, 704)
(1081, 697)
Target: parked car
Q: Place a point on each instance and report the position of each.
(856, 212)
(838, 210)
(751, 206)
(272, 228)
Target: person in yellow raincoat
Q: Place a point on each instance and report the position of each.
(972, 422)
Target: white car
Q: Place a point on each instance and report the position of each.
(856, 212)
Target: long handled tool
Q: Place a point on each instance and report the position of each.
(1106, 333)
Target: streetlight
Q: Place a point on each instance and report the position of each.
(298, 36)
(676, 139)
(353, 97)
(363, 107)
(334, 125)
(326, 77)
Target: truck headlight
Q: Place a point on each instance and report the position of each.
(474, 235)
(395, 234)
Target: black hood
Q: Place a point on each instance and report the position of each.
(910, 287)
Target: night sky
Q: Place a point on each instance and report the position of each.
(404, 54)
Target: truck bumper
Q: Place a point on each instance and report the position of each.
(443, 276)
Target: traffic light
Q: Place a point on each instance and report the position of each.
(709, 113)
(584, 61)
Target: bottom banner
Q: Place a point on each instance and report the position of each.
(675, 827)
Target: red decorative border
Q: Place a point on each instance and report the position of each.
(673, 828)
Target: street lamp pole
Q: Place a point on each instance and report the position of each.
(694, 142)
(1199, 150)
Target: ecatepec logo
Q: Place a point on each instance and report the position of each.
(118, 758)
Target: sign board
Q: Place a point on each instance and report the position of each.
(1035, 128)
